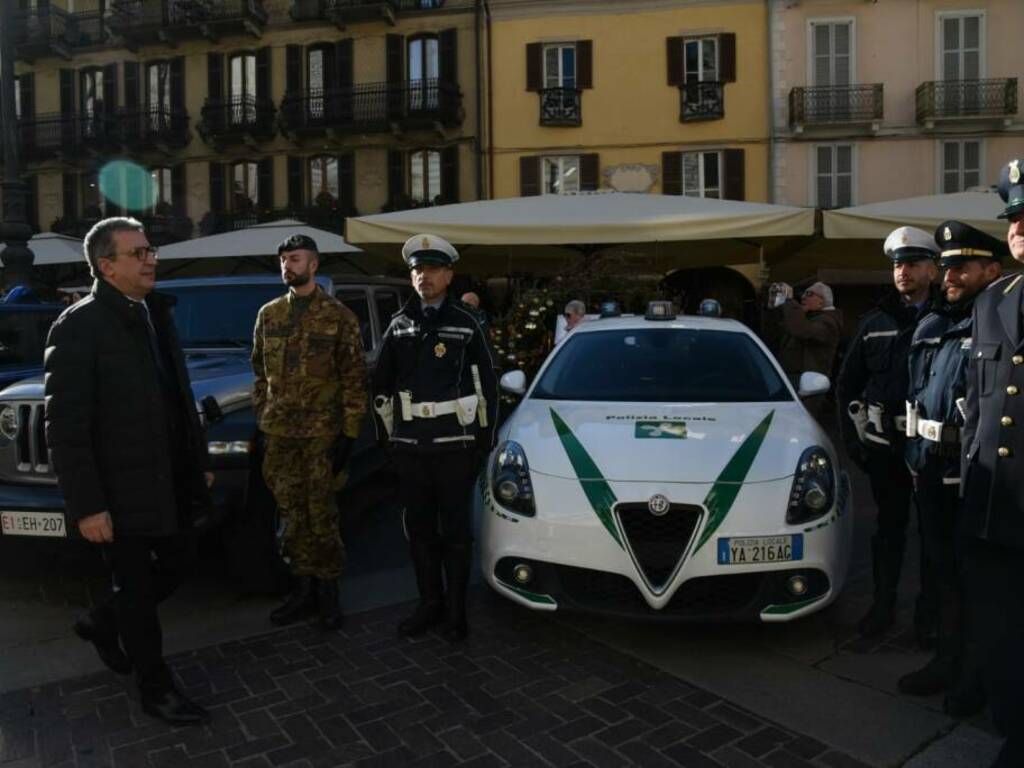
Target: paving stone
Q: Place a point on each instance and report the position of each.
(735, 717)
(763, 741)
(713, 738)
(686, 755)
(782, 758)
(835, 759)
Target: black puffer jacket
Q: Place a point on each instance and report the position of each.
(122, 439)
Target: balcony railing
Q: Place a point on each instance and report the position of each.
(161, 228)
(148, 20)
(52, 135)
(320, 217)
(155, 126)
(345, 11)
(371, 107)
(41, 32)
(836, 105)
(951, 99)
(237, 119)
(701, 101)
(560, 106)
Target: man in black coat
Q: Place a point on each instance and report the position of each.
(129, 453)
(993, 491)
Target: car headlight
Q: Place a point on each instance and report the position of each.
(814, 487)
(9, 422)
(510, 479)
(228, 447)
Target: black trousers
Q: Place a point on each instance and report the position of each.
(145, 572)
(938, 506)
(435, 489)
(891, 488)
(995, 634)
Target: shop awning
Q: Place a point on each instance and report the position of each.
(876, 220)
(52, 248)
(257, 240)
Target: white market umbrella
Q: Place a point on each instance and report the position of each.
(876, 220)
(53, 248)
(257, 240)
(592, 219)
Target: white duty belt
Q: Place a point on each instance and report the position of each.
(873, 414)
(935, 431)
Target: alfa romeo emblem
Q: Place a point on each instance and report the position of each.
(658, 505)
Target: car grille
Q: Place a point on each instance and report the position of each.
(31, 455)
(706, 597)
(658, 543)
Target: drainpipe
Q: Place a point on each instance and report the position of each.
(479, 106)
(490, 106)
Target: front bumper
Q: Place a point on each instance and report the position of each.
(575, 563)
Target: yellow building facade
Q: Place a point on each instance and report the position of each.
(639, 96)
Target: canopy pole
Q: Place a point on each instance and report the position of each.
(763, 273)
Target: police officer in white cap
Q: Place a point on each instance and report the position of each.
(436, 399)
(871, 392)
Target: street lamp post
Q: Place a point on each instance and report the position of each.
(17, 257)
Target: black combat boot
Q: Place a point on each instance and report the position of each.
(886, 559)
(456, 570)
(426, 561)
(329, 599)
(300, 603)
(941, 671)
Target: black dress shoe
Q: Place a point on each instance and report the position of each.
(173, 708)
(107, 646)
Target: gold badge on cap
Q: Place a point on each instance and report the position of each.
(947, 233)
(905, 239)
(440, 350)
(425, 242)
(1014, 171)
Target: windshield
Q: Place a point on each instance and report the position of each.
(23, 337)
(661, 365)
(219, 315)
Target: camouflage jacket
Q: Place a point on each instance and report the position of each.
(310, 375)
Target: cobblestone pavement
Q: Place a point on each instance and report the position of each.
(525, 690)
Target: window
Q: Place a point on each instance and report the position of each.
(244, 187)
(94, 202)
(425, 175)
(423, 59)
(161, 186)
(833, 175)
(961, 165)
(560, 175)
(357, 302)
(388, 303)
(831, 57)
(560, 65)
(92, 102)
(700, 60)
(702, 174)
(960, 46)
(158, 80)
(323, 180)
(242, 87)
(316, 81)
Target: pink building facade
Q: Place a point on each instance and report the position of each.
(877, 100)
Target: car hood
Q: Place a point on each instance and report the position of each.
(211, 372)
(655, 442)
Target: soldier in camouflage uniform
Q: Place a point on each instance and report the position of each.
(309, 396)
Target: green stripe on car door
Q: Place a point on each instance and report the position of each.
(723, 493)
(596, 488)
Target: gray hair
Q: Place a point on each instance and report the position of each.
(576, 307)
(99, 242)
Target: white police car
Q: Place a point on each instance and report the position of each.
(664, 467)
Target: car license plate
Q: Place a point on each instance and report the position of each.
(33, 524)
(754, 550)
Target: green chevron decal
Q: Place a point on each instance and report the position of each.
(598, 492)
(727, 487)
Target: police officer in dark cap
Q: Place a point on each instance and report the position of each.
(993, 484)
(939, 356)
(871, 392)
(436, 398)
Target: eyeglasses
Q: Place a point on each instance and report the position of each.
(142, 253)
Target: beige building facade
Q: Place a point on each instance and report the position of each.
(882, 100)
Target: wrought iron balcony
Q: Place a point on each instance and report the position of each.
(164, 228)
(145, 21)
(41, 32)
(371, 107)
(76, 226)
(155, 127)
(836, 105)
(241, 119)
(560, 106)
(966, 99)
(343, 12)
(57, 135)
(701, 101)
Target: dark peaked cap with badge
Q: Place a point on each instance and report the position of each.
(297, 243)
(961, 242)
(429, 249)
(1011, 188)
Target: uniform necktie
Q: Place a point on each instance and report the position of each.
(430, 313)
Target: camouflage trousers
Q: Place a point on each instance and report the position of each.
(298, 473)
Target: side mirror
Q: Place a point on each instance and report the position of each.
(812, 383)
(210, 408)
(513, 382)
